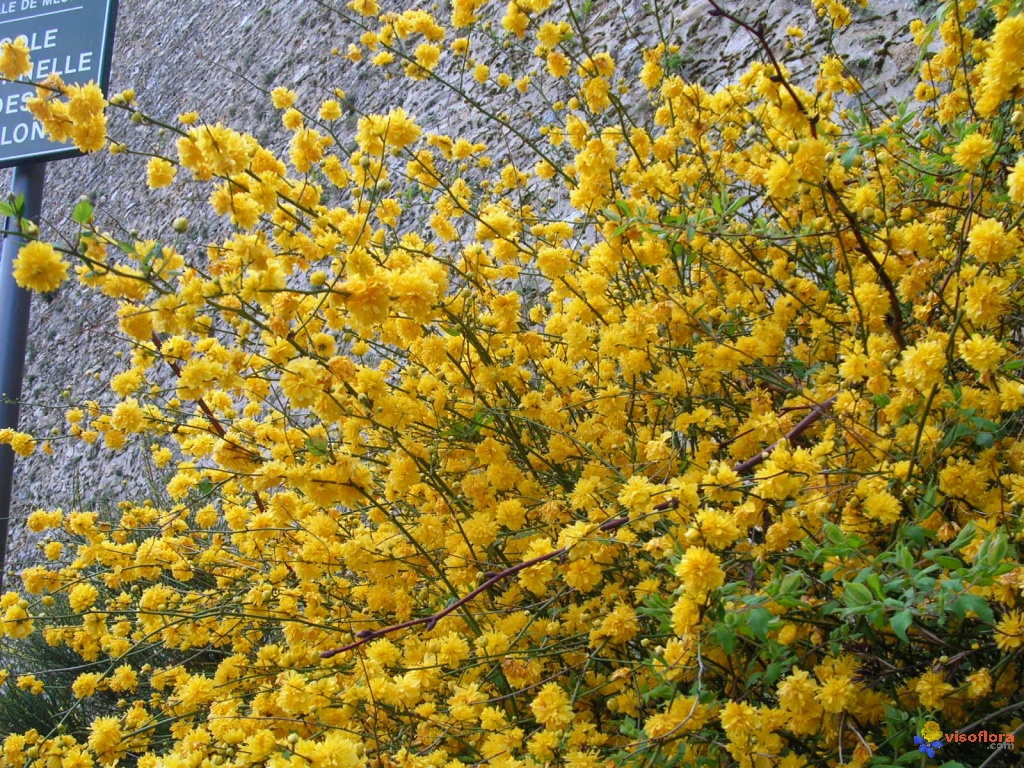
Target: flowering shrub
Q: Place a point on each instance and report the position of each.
(690, 438)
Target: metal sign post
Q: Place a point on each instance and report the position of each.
(72, 38)
(14, 313)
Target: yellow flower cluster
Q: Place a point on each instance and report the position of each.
(691, 438)
(80, 116)
(15, 59)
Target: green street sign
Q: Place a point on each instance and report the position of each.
(73, 38)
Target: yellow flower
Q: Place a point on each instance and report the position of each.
(14, 58)
(82, 596)
(105, 737)
(970, 152)
(427, 56)
(464, 12)
(16, 621)
(1001, 72)
(739, 720)
(932, 689)
(783, 179)
(1015, 182)
(160, 173)
(883, 507)
(837, 694)
(291, 119)
(306, 149)
(365, 7)
(1010, 631)
(330, 110)
(990, 243)
(558, 64)
(717, 528)
(394, 131)
(30, 683)
(551, 707)
(700, 571)
(618, 627)
(810, 160)
(39, 267)
(931, 731)
(979, 683)
(283, 97)
(85, 684)
(982, 353)
(21, 443)
(922, 365)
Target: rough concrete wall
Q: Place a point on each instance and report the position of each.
(220, 58)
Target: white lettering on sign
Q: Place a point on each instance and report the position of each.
(37, 42)
(16, 103)
(68, 65)
(20, 133)
(70, 38)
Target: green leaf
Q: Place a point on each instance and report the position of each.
(662, 692)
(849, 157)
(946, 561)
(8, 209)
(993, 550)
(726, 638)
(965, 537)
(975, 603)
(793, 582)
(957, 432)
(900, 622)
(758, 620)
(316, 446)
(984, 423)
(788, 601)
(858, 594)
(928, 502)
(875, 585)
(737, 204)
(834, 533)
(916, 534)
(82, 214)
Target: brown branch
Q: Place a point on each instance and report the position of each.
(215, 424)
(758, 34)
(493, 577)
(801, 426)
(896, 321)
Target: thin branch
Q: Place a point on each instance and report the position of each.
(614, 523)
(895, 322)
(801, 426)
(215, 424)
